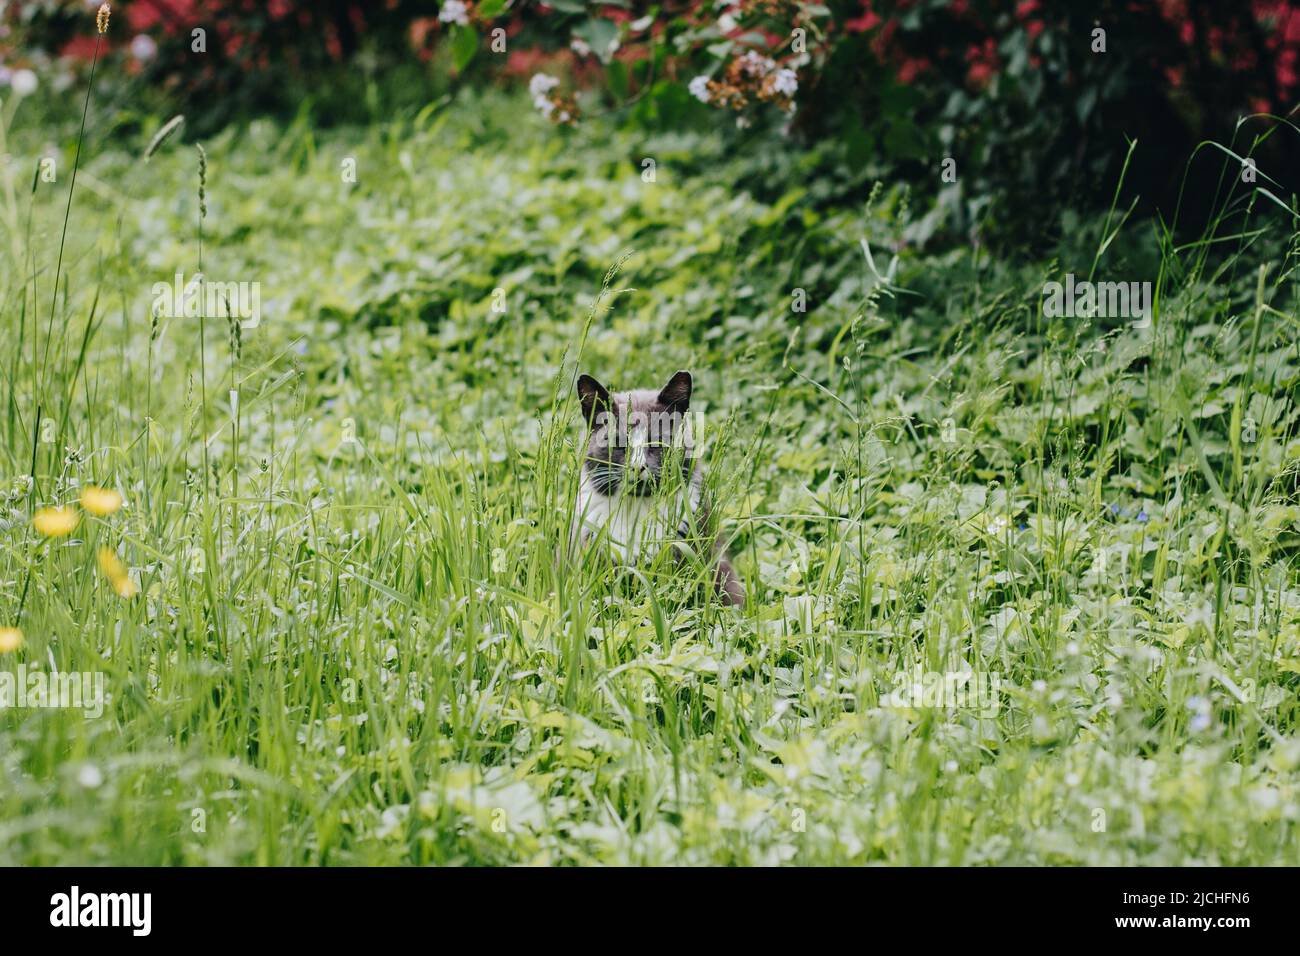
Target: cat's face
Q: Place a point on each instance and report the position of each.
(636, 435)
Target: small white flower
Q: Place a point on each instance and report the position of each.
(23, 82)
(786, 82)
(1266, 798)
(541, 84)
(755, 64)
(1200, 708)
(143, 47)
(391, 820)
(454, 11)
(580, 47)
(544, 105)
(89, 776)
(6, 75)
(727, 23)
(699, 88)
(20, 487)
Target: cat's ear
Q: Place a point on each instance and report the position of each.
(594, 397)
(676, 395)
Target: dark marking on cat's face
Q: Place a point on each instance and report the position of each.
(634, 434)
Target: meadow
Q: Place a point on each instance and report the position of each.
(341, 633)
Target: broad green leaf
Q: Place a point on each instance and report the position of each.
(599, 34)
(464, 43)
(616, 74)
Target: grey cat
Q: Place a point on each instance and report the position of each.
(641, 485)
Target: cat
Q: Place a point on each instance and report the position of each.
(629, 494)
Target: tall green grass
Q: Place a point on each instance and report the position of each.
(371, 650)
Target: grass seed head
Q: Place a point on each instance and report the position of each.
(163, 134)
(203, 179)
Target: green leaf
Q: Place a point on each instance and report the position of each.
(491, 8)
(599, 34)
(778, 211)
(616, 74)
(464, 43)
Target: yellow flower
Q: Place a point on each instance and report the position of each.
(55, 522)
(101, 18)
(10, 639)
(100, 501)
(116, 572)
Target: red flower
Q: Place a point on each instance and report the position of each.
(419, 30)
(865, 22)
(911, 68)
(980, 74)
(983, 60)
(79, 48)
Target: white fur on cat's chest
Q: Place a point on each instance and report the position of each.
(635, 527)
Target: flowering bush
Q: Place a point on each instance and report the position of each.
(215, 60)
(1032, 96)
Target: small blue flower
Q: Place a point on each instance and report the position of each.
(1142, 516)
(1114, 509)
